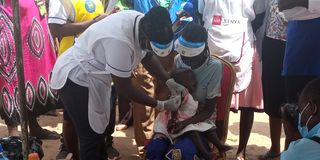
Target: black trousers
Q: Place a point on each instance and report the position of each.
(75, 100)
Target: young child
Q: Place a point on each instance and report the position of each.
(166, 125)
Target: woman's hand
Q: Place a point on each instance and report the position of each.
(176, 88)
(178, 127)
(114, 10)
(100, 17)
(171, 125)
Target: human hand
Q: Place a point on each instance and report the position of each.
(114, 10)
(289, 115)
(171, 125)
(100, 17)
(171, 104)
(176, 88)
(288, 4)
(178, 127)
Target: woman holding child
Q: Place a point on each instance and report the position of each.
(193, 55)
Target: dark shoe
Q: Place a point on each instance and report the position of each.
(63, 152)
(46, 134)
(112, 153)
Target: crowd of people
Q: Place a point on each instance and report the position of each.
(154, 60)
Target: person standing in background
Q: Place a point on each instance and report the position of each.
(231, 37)
(273, 49)
(67, 20)
(39, 57)
(302, 59)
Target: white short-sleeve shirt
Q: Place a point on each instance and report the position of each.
(60, 13)
(107, 47)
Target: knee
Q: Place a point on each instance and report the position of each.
(186, 147)
(157, 148)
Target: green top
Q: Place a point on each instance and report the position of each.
(164, 3)
(128, 4)
(124, 4)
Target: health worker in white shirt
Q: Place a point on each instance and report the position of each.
(106, 53)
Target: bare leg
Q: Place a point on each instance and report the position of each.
(275, 133)
(196, 139)
(125, 113)
(275, 125)
(212, 136)
(246, 121)
(13, 131)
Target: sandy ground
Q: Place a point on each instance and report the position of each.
(258, 144)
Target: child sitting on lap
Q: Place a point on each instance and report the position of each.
(166, 125)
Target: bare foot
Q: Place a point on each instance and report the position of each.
(240, 156)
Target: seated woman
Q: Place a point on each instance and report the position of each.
(208, 71)
(167, 126)
(308, 125)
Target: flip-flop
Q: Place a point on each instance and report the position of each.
(268, 156)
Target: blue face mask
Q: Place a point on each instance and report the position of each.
(304, 131)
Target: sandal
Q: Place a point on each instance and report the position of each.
(269, 155)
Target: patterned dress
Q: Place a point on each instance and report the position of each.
(38, 58)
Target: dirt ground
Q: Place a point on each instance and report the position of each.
(258, 144)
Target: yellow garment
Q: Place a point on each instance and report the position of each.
(84, 10)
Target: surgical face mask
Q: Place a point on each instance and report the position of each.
(304, 131)
(194, 62)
